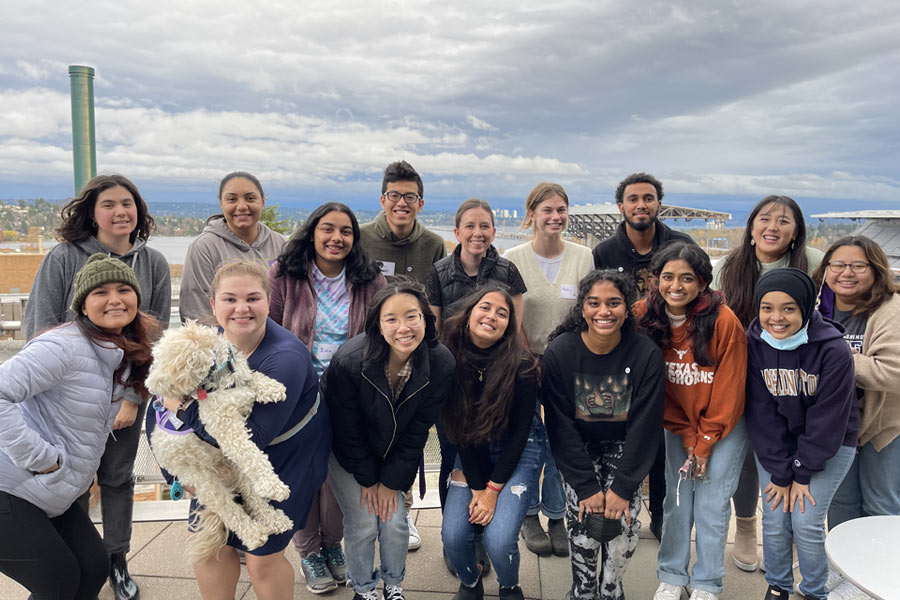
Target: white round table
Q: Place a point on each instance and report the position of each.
(867, 552)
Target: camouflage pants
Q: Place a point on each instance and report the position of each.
(586, 552)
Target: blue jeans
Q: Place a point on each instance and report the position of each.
(805, 529)
(501, 535)
(548, 496)
(871, 487)
(704, 504)
(361, 530)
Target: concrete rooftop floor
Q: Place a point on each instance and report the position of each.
(157, 562)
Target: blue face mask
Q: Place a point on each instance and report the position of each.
(791, 342)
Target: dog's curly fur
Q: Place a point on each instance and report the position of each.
(182, 360)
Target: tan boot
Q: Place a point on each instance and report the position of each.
(745, 548)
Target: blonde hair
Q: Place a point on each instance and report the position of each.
(540, 193)
(241, 267)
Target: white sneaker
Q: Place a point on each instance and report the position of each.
(834, 579)
(703, 595)
(667, 591)
(848, 591)
(415, 540)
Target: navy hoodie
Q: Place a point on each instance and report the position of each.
(801, 404)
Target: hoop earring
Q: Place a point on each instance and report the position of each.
(792, 244)
(94, 224)
(752, 242)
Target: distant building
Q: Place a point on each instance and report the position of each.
(880, 226)
(593, 223)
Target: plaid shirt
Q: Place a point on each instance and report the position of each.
(403, 376)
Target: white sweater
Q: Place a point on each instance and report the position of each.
(545, 304)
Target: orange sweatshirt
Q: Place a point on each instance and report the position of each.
(703, 404)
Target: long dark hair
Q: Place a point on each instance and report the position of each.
(883, 287)
(472, 416)
(78, 214)
(701, 313)
(741, 269)
(136, 340)
(377, 348)
(574, 321)
(300, 251)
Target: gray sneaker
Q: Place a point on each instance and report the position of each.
(337, 565)
(318, 577)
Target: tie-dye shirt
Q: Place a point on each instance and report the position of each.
(332, 317)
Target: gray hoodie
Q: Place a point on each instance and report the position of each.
(215, 245)
(52, 291)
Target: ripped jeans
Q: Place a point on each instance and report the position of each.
(501, 535)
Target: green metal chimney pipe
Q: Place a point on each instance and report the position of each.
(84, 146)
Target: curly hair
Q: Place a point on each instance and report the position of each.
(701, 313)
(474, 414)
(294, 261)
(574, 321)
(741, 269)
(77, 215)
(638, 178)
(883, 287)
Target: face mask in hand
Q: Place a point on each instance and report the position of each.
(791, 342)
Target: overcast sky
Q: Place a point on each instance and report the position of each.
(484, 99)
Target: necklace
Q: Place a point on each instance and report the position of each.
(480, 373)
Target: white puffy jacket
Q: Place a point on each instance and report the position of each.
(56, 405)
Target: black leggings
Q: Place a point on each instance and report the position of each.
(55, 559)
(746, 496)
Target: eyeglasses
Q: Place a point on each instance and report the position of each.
(410, 198)
(838, 266)
(393, 323)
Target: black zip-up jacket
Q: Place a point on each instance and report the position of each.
(376, 438)
(617, 252)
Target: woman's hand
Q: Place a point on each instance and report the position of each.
(616, 506)
(368, 498)
(127, 414)
(482, 506)
(387, 502)
(594, 504)
(799, 491)
(50, 470)
(700, 465)
(777, 494)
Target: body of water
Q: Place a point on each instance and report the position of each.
(174, 249)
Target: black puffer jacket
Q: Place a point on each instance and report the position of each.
(453, 282)
(376, 439)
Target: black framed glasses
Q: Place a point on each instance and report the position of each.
(410, 198)
(857, 266)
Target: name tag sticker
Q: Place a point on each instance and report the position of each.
(387, 268)
(568, 291)
(324, 352)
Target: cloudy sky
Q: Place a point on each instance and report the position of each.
(718, 99)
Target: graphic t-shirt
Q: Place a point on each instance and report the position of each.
(332, 317)
(854, 332)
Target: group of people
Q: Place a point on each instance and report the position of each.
(558, 379)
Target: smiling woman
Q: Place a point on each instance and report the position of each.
(602, 386)
(234, 234)
(59, 398)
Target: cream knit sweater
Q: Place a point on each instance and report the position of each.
(878, 373)
(545, 304)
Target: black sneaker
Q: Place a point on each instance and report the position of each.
(511, 593)
(123, 586)
(776, 593)
(470, 593)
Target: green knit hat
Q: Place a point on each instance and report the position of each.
(98, 270)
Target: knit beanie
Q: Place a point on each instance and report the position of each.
(98, 270)
(793, 282)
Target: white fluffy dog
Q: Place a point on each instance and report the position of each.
(195, 358)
